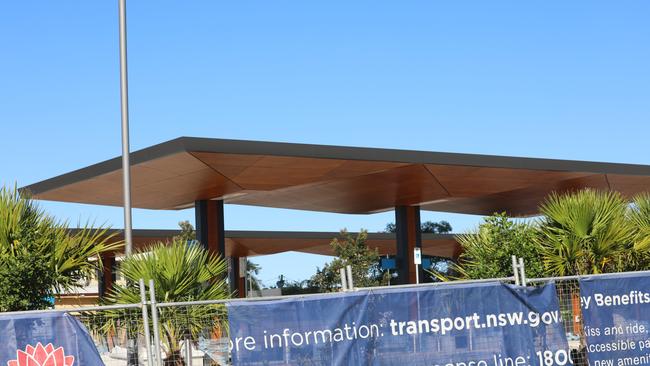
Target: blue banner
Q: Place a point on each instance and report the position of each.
(616, 318)
(45, 339)
(489, 324)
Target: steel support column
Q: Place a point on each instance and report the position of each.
(409, 236)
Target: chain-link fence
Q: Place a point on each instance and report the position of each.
(196, 333)
(568, 294)
(192, 334)
(118, 334)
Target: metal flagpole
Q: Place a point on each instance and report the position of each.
(124, 101)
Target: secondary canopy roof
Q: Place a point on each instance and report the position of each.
(175, 174)
(254, 243)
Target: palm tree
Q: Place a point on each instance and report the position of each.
(253, 270)
(40, 257)
(640, 220)
(181, 272)
(584, 232)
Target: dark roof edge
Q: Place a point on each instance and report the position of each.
(107, 166)
(406, 156)
(199, 144)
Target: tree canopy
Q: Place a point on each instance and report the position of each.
(349, 250)
(582, 232)
(488, 250)
(432, 227)
(40, 256)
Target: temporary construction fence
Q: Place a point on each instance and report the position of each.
(204, 339)
(196, 333)
(119, 331)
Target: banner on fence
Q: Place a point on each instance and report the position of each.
(45, 339)
(489, 324)
(616, 318)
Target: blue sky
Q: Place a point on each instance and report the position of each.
(555, 79)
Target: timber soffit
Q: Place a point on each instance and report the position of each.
(195, 144)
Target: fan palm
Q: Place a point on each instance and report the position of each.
(181, 272)
(40, 256)
(583, 232)
(640, 220)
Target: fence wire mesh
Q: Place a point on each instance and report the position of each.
(118, 335)
(193, 334)
(568, 294)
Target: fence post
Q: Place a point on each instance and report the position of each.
(188, 351)
(515, 269)
(154, 318)
(145, 321)
(344, 283)
(522, 267)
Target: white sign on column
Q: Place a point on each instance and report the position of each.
(417, 259)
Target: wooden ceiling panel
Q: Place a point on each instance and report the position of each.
(230, 165)
(250, 247)
(179, 190)
(352, 168)
(268, 172)
(519, 202)
(265, 246)
(467, 181)
(406, 185)
(254, 243)
(96, 190)
(629, 185)
(164, 168)
(264, 173)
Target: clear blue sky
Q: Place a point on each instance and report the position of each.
(557, 79)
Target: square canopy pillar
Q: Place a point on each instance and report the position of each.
(210, 226)
(409, 236)
(211, 234)
(237, 281)
(106, 277)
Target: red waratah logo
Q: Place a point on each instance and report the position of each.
(41, 356)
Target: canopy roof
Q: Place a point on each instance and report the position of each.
(253, 243)
(175, 174)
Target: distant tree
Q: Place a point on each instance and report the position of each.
(253, 270)
(281, 281)
(187, 234)
(440, 227)
(349, 250)
(298, 288)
